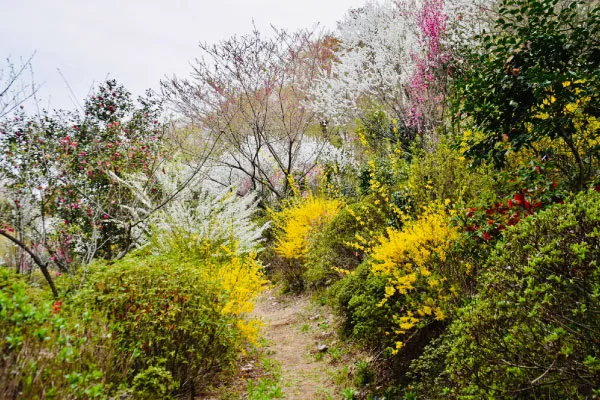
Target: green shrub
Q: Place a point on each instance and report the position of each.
(180, 314)
(363, 373)
(153, 383)
(148, 326)
(377, 132)
(426, 374)
(532, 330)
(356, 298)
(335, 246)
(49, 351)
(444, 174)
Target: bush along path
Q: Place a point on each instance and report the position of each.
(300, 338)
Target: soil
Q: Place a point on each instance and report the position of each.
(293, 342)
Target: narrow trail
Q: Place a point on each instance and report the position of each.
(303, 377)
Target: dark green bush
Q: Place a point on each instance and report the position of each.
(363, 373)
(153, 383)
(356, 297)
(532, 81)
(533, 329)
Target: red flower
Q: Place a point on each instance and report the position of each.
(487, 236)
(513, 220)
(510, 204)
(519, 198)
(56, 306)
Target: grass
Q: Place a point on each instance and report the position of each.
(349, 394)
(264, 389)
(269, 387)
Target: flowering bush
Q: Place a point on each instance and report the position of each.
(341, 245)
(409, 259)
(443, 174)
(197, 215)
(62, 174)
(293, 227)
(532, 80)
(400, 291)
(296, 221)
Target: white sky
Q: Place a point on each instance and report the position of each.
(137, 42)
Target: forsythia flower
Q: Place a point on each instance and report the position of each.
(297, 221)
(408, 258)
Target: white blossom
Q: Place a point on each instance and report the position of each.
(374, 62)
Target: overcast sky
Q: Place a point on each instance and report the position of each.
(137, 42)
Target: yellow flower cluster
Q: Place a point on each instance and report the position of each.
(585, 127)
(295, 222)
(362, 242)
(408, 259)
(467, 136)
(381, 190)
(242, 280)
(412, 247)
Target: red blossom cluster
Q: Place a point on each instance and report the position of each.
(488, 223)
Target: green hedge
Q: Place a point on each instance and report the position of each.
(533, 329)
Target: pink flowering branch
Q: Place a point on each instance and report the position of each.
(425, 91)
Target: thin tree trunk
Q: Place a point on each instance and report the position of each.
(43, 266)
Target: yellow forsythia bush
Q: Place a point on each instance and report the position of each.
(409, 259)
(243, 280)
(295, 222)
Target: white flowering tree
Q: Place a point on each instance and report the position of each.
(193, 211)
(394, 55)
(373, 63)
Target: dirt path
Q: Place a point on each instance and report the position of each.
(294, 348)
